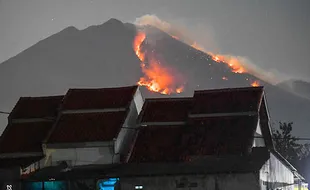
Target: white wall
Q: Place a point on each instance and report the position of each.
(276, 173)
(82, 156)
(197, 182)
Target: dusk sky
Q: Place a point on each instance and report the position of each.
(273, 34)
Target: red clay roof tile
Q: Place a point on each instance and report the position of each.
(212, 136)
(87, 127)
(103, 98)
(166, 110)
(36, 107)
(24, 137)
(227, 100)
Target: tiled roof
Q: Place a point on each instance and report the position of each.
(103, 98)
(166, 110)
(212, 136)
(24, 137)
(227, 100)
(157, 143)
(36, 107)
(87, 127)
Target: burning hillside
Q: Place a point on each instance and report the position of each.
(159, 77)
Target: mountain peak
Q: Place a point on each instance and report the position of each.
(113, 21)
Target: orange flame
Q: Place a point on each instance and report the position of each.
(232, 62)
(140, 37)
(157, 78)
(255, 84)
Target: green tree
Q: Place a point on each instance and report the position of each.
(287, 144)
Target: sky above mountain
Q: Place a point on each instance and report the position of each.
(272, 34)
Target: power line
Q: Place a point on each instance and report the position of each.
(4, 112)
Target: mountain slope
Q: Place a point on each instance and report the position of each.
(102, 56)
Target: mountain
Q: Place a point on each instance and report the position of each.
(103, 56)
(299, 87)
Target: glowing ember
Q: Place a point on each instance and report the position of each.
(255, 84)
(224, 78)
(157, 78)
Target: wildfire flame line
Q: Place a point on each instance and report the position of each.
(156, 78)
(232, 62)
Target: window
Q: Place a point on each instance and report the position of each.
(48, 185)
(107, 184)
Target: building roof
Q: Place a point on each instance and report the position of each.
(36, 107)
(104, 98)
(213, 122)
(227, 100)
(165, 110)
(87, 127)
(24, 137)
(201, 137)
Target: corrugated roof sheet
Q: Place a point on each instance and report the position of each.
(227, 100)
(36, 107)
(212, 136)
(166, 110)
(87, 127)
(24, 137)
(104, 98)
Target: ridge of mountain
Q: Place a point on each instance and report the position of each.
(102, 56)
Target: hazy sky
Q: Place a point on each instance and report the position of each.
(274, 34)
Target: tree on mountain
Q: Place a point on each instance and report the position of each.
(287, 145)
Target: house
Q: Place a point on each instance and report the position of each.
(21, 141)
(110, 139)
(218, 139)
(85, 126)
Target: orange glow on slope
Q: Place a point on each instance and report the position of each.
(255, 84)
(232, 62)
(197, 46)
(140, 37)
(157, 78)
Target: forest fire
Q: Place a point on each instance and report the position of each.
(161, 79)
(157, 78)
(232, 62)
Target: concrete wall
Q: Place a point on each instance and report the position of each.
(274, 174)
(83, 156)
(197, 182)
